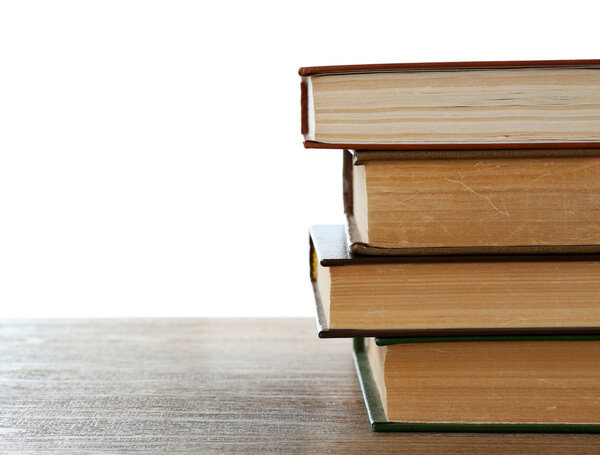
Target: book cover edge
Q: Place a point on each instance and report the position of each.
(467, 146)
(307, 71)
(361, 157)
(379, 422)
(388, 341)
(520, 253)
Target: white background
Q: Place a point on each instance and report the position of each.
(150, 156)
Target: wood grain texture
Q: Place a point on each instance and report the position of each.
(474, 106)
(203, 386)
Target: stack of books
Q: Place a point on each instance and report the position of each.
(468, 272)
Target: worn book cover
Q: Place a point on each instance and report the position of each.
(450, 295)
(546, 413)
(452, 105)
(473, 202)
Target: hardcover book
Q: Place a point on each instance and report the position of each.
(437, 203)
(460, 105)
(481, 384)
(450, 295)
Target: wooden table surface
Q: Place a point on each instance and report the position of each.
(203, 386)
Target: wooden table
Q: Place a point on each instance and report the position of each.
(203, 386)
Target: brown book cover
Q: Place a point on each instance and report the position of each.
(501, 142)
(359, 158)
(328, 248)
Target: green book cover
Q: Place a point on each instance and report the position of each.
(378, 418)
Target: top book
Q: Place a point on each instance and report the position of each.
(453, 106)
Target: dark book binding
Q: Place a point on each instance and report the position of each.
(306, 72)
(304, 107)
(313, 70)
(328, 247)
(379, 421)
(357, 246)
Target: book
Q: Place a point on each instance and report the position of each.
(509, 202)
(450, 295)
(458, 105)
(481, 384)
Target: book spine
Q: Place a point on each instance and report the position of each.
(347, 183)
(304, 106)
(313, 260)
